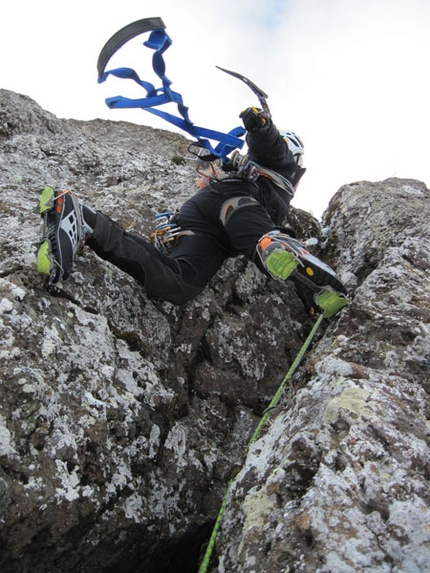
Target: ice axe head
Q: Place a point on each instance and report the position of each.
(262, 96)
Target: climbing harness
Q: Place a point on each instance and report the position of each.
(275, 401)
(159, 41)
(250, 171)
(167, 231)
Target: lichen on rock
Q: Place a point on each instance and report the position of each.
(122, 418)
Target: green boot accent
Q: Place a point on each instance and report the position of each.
(281, 264)
(330, 302)
(46, 202)
(44, 259)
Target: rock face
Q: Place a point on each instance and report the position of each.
(339, 483)
(122, 418)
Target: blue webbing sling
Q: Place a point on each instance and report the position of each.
(159, 41)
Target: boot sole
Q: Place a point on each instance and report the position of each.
(281, 264)
(45, 258)
(60, 239)
(299, 265)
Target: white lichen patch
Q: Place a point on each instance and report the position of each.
(6, 446)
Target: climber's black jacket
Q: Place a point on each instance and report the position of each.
(226, 218)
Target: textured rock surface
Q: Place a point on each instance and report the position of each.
(121, 418)
(339, 483)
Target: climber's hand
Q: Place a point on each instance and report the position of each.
(254, 118)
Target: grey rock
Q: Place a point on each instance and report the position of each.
(339, 481)
(123, 418)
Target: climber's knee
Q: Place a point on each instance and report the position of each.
(231, 206)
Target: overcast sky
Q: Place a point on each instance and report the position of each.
(351, 77)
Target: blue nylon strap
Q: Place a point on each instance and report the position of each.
(129, 74)
(160, 42)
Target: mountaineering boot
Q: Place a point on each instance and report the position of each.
(316, 283)
(64, 232)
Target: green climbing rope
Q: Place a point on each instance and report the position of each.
(275, 401)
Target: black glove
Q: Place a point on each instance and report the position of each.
(253, 118)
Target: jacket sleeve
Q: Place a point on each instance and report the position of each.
(267, 147)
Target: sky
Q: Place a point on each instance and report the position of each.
(350, 77)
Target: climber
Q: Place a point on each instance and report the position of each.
(242, 213)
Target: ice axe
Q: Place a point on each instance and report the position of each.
(262, 96)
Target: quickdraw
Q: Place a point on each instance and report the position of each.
(250, 171)
(167, 231)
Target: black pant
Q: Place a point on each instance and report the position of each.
(183, 274)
